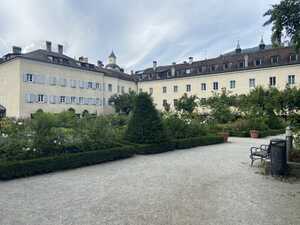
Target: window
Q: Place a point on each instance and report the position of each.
(62, 99)
(258, 62)
(175, 88)
(118, 88)
(165, 102)
(188, 71)
(175, 102)
(73, 100)
(29, 77)
(274, 59)
(241, 64)
(73, 83)
(110, 87)
(41, 98)
(52, 80)
(164, 89)
(81, 84)
(97, 86)
(90, 85)
(293, 57)
(122, 90)
(272, 81)
(232, 84)
(291, 79)
(151, 90)
(63, 82)
(188, 88)
(216, 86)
(252, 83)
(225, 66)
(140, 90)
(203, 87)
(81, 100)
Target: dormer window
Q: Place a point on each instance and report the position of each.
(274, 59)
(293, 58)
(50, 58)
(258, 62)
(241, 64)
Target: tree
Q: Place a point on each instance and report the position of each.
(186, 103)
(145, 124)
(285, 20)
(123, 104)
(220, 106)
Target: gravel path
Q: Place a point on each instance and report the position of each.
(204, 185)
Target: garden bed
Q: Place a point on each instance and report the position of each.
(16, 169)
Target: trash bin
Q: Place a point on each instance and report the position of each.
(278, 157)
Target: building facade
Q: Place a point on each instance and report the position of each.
(238, 72)
(51, 81)
(54, 82)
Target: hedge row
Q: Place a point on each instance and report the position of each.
(179, 144)
(262, 134)
(10, 170)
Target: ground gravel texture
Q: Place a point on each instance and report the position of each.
(204, 185)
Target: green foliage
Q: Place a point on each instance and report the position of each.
(94, 134)
(123, 103)
(220, 106)
(145, 124)
(285, 20)
(177, 127)
(186, 104)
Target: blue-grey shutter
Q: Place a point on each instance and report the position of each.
(25, 77)
(45, 98)
(94, 85)
(34, 78)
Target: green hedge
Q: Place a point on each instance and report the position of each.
(198, 141)
(10, 170)
(267, 133)
(179, 144)
(262, 134)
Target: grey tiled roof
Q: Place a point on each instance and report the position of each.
(42, 55)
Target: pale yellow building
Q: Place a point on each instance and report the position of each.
(51, 81)
(238, 72)
(54, 82)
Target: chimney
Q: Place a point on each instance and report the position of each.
(173, 70)
(191, 60)
(83, 59)
(154, 65)
(100, 63)
(16, 50)
(132, 72)
(246, 57)
(48, 46)
(60, 49)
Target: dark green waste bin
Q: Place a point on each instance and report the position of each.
(278, 157)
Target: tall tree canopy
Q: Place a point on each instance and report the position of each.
(285, 20)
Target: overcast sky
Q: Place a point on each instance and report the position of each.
(139, 31)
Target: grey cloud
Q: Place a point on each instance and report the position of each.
(138, 31)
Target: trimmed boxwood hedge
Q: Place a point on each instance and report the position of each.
(262, 134)
(10, 170)
(179, 144)
(16, 169)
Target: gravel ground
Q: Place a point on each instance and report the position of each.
(204, 185)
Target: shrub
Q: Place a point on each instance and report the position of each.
(182, 128)
(10, 170)
(145, 125)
